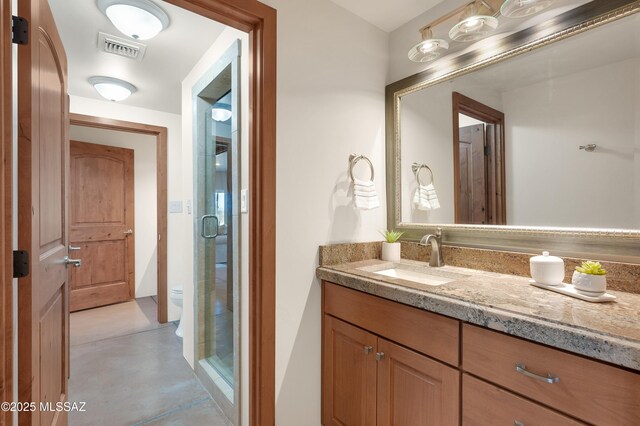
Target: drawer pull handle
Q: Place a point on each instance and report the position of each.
(522, 369)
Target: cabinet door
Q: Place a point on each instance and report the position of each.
(349, 376)
(414, 390)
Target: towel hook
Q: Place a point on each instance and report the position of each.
(416, 170)
(353, 159)
(589, 147)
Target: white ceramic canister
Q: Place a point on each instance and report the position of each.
(547, 270)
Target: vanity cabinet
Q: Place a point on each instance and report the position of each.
(387, 363)
(369, 380)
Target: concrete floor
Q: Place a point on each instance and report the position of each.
(129, 370)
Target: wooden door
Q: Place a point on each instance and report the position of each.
(414, 390)
(349, 375)
(43, 122)
(101, 222)
(472, 175)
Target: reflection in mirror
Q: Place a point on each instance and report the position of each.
(504, 143)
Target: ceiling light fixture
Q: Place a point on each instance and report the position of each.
(138, 19)
(221, 112)
(111, 88)
(522, 8)
(473, 25)
(429, 48)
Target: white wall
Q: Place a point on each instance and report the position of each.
(549, 181)
(176, 239)
(331, 79)
(145, 198)
(426, 129)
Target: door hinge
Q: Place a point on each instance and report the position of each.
(20, 263)
(19, 30)
(487, 150)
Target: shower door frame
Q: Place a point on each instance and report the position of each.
(209, 375)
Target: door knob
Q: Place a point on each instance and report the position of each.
(128, 232)
(75, 262)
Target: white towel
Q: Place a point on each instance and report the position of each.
(364, 195)
(425, 198)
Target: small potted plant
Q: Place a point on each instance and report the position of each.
(391, 247)
(590, 278)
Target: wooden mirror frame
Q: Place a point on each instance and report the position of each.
(604, 244)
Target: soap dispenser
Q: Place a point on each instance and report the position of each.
(547, 270)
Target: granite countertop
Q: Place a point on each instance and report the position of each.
(606, 331)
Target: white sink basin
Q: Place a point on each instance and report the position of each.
(415, 276)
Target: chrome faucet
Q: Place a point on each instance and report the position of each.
(436, 247)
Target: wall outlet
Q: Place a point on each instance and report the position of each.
(188, 206)
(175, 206)
(244, 201)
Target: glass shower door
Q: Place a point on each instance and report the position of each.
(216, 186)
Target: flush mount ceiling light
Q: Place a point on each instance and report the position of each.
(221, 112)
(112, 89)
(473, 25)
(522, 8)
(429, 48)
(138, 19)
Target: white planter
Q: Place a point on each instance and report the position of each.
(391, 251)
(591, 285)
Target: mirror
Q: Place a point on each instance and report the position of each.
(545, 140)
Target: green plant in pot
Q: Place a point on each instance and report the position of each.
(590, 278)
(391, 246)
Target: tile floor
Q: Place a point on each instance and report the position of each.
(129, 370)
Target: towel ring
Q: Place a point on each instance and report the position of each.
(416, 170)
(353, 160)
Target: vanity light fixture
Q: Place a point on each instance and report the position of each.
(473, 24)
(111, 88)
(221, 112)
(429, 48)
(138, 19)
(522, 8)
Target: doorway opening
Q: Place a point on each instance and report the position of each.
(478, 162)
(151, 141)
(43, 369)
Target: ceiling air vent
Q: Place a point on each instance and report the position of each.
(121, 47)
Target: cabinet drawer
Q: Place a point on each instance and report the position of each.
(586, 389)
(484, 404)
(425, 332)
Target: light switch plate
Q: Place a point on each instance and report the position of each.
(175, 206)
(244, 201)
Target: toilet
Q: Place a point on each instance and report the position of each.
(176, 297)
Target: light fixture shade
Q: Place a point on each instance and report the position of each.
(138, 19)
(428, 50)
(473, 28)
(221, 112)
(112, 89)
(522, 8)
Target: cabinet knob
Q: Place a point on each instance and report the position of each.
(368, 350)
(518, 423)
(379, 356)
